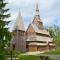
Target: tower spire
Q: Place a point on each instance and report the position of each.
(19, 22)
(37, 10)
(37, 14)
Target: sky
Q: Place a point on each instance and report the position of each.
(49, 11)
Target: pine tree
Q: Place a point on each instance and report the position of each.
(5, 35)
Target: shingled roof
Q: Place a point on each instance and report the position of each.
(38, 44)
(43, 31)
(19, 23)
(39, 38)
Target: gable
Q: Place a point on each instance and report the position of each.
(30, 30)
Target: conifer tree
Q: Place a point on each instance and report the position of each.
(5, 35)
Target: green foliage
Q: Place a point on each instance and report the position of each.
(55, 52)
(2, 55)
(14, 52)
(3, 10)
(5, 35)
(55, 34)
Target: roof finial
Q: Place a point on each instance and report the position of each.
(19, 9)
(37, 9)
(37, 4)
(19, 12)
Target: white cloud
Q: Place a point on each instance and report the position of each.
(48, 21)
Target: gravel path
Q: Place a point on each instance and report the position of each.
(55, 57)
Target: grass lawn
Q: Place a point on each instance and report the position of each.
(56, 52)
(30, 57)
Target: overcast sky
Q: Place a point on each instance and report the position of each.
(49, 11)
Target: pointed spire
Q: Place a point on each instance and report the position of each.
(37, 15)
(19, 22)
(37, 10)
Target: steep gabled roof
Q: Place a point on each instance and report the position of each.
(19, 23)
(37, 30)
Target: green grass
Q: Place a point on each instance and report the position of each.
(28, 57)
(56, 52)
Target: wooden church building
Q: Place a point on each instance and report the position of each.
(35, 38)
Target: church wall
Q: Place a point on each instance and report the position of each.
(42, 48)
(19, 41)
(32, 48)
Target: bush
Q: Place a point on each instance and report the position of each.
(2, 55)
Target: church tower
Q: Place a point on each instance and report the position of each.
(18, 41)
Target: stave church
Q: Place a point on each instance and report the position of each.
(35, 38)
